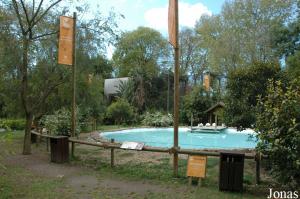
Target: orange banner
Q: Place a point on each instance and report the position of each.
(65, 46)
(206, 82)
(172, 23)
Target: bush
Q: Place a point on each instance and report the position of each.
(243, 86)
(12, 124)
(120, 112)
(60, 122)
(278, 126)
(157, 119)
(195, 103)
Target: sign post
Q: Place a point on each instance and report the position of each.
(196, 168)
(67, 56)
(173, 38)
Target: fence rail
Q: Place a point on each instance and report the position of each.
(159, 149)
(249, 154)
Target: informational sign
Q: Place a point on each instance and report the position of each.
(132, 145)
(196, 166)
(65, 46)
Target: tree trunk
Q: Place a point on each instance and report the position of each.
(24, 97)
(27, 136)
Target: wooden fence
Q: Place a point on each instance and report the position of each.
(249, 154)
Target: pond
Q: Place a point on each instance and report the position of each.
(163, 137)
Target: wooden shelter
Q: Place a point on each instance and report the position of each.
(215, 113)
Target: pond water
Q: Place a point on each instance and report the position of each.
(163, 137)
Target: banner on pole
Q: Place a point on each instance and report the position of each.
(172, 23)
(206, 82)
(65, 45)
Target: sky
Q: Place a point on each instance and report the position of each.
(154, 13)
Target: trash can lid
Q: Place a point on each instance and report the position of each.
(235, 153)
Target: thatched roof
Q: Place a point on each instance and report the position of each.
(111, 86)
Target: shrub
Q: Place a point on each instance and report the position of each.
(60, 122)
(157, 119)
(13, 124)
(278, 124)
(120, 112)
(195, 103)
(243, 86)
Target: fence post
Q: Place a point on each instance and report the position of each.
(47, 145)
(257, 160)
(112, 155)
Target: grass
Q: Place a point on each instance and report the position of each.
(17, 182)
(162, 173)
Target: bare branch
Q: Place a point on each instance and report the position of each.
(16, 8)
(37, 11)
(26, 14)
(44, 35)
(33, 7)
(45, 94)
(91, 29)
(46, 11)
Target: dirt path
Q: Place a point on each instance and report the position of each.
(84, 181)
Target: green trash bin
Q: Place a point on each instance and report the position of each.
(231, 171)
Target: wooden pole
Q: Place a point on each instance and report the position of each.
(74, 83)
(168, 97)
(257, 160)
(176, 93)
(112, 155)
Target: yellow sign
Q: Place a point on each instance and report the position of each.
(196, 166)
(65, 46)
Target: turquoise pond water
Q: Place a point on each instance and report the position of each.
(163, 137)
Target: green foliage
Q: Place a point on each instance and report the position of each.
(195, 103)
(193, 57)
(12, 124)
(144, 92)
(60, 122)
(49, 85)
(157, 119)
(244, 32)
(278, 127)
(120, 112)
(293, 65)
(139, 49)
(243, 87)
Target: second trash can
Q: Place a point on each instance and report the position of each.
(231, 171)
(59, 149)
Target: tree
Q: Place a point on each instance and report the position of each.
(28, 20)
(142, 49)
(193, 57)
(278, 127)
(243, 33)
(195, 103)
(293, 65)
(39, 75)
(287, 45)
(140, 54)
(243, 87)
